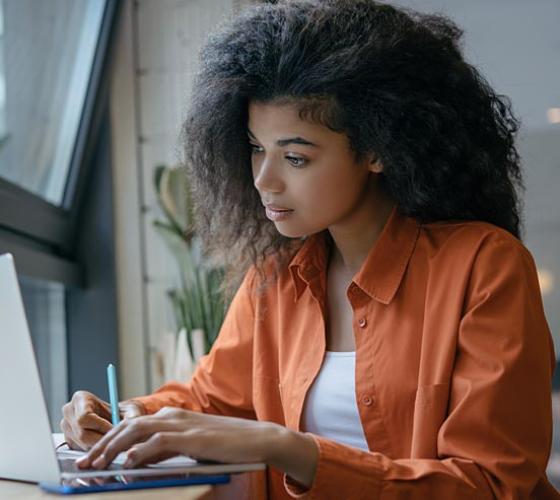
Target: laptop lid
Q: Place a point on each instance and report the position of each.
(26, 449)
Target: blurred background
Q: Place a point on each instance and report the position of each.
(92, 97)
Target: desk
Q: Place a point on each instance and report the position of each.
(253, 482)
(12, 490)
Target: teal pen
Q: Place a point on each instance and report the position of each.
(113, 393)
(114, 400)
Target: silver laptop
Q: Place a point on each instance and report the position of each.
(27, 451)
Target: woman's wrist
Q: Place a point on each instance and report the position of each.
(294, 453)
(130, 408)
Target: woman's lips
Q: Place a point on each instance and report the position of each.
(277, 214)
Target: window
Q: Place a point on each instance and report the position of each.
(3, 131)
(46, 55)
(53, 104)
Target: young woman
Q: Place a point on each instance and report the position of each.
(388, 338)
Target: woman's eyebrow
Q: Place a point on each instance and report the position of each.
(289, 140)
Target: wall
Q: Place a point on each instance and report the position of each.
(154, 63)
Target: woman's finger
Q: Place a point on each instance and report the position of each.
(99, 447)
(160, 446)
(83, 437)
(67, 431)
(93, 422)
(136, 432)
(78, 438)
(65, 423)
(84, 416)
(83, 402)
(131, 409)
(153, 459)
(120, 439)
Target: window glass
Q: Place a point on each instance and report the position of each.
(44, 307)
(46, 55)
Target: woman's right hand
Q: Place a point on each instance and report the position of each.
(86, 418)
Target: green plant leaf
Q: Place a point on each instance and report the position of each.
(198, 302)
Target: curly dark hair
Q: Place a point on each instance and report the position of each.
(393, 80)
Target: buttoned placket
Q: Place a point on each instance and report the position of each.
(370, 293)
(310, 369)
(366, 399)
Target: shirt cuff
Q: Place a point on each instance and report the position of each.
(338, 474)
(175, 394)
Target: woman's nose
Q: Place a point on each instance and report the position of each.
(266, 178)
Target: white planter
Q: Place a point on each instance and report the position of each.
(197, 339)
(183, 366)
(172, 357)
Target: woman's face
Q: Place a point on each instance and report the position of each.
(305, 168)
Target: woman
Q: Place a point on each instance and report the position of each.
(388, 338)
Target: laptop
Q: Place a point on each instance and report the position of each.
(27, 449)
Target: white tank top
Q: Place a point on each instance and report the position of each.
(330, 408)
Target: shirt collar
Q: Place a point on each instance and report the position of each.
(381, 272)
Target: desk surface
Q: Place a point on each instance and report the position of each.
(13, 490)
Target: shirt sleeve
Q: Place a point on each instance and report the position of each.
(222, 381)
(496, 438)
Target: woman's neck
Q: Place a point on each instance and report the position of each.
(354, 237)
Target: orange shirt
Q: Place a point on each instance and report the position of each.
(454, 361)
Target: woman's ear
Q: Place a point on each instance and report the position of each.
(375, 164)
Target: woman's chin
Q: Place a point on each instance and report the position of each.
(289, 230)
(293, 231)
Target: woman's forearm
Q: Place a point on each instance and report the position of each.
(294, 453)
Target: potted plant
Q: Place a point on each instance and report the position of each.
(198, 303)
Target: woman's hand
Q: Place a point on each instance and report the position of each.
(86, 418)
(172, 432)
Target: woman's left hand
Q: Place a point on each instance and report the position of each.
(172, 431)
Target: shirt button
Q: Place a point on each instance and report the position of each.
(367, 400)
(362, 322)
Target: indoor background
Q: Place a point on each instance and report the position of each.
(92, 96)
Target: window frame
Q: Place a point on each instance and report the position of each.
(41, 235)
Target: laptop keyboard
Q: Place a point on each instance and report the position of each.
(69, 465)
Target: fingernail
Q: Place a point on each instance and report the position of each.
(128, 464)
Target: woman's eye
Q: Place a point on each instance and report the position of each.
(296, 162)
